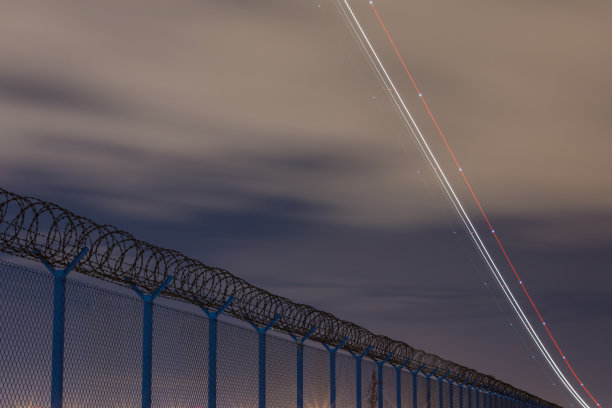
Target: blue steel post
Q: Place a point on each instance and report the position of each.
(461, 392)
(414, 385)
(398, 383)
(59, 319)
(332, 371)
(212, 351)
(440, 385)
(484, 397)
(380, 365)
(485, 393)
(469, 390)
(358, 358)
(477, 395)
(262, 358)
(451, 390)
(300, 366)
(428, 383)
(147, 339)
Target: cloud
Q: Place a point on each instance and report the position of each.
(52, 93)
(283, 105)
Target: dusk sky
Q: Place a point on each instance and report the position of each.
(255, 136)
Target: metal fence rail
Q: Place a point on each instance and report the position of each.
(63, 242)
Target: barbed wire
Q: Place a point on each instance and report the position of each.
(29, 226)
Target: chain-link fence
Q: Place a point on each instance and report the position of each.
(104, 350)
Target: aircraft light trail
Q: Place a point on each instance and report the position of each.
(448, 189)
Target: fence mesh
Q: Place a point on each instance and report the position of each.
(281, 372)
(316, 377)
(103, 357)
(180, 366)
(406, 387)
(26, 303)
(102, 348)
(237, 380)
(345, 380)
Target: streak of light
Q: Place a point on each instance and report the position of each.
(448, 189)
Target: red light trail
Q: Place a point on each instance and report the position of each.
(478, 202)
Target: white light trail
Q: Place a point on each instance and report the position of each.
(448, 189)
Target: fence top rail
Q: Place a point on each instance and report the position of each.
(30, 227)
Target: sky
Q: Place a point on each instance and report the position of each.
(255, 136)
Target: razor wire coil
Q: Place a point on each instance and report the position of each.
(30, 227)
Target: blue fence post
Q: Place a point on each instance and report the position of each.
(212, 351)
(358, 358)
(489, 394)
(469, 389)
(262, 358)
(462, 386)
(470, 395)
(476, 394)
(428, 383)
(147, 338)
(440, 385)
(398, 383)
(451, 390)
(59, 319)
(300, 366)
(332, 371)
(414, 385)
(380, 378)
